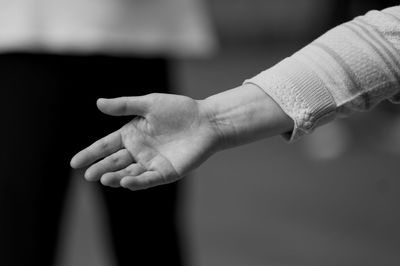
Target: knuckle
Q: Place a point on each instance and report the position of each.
(124, 106)
(104, 146)
(131, 172)
(114, 159)
(152, 97)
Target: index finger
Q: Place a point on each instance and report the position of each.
(101, 148)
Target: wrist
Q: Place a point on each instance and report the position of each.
(209, 111)
(244, 114)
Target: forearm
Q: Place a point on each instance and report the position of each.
(350, 68)
(244, 114)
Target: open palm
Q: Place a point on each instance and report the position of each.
(168, 136)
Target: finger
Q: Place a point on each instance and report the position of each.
(113, 179)
(137, 105)
(101, 148)
(146, 180)
(116, 161)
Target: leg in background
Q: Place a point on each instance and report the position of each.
(34, 166)
(143, 223)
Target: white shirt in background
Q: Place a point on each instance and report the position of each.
(154, 27)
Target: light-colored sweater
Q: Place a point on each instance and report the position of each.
(350, 68)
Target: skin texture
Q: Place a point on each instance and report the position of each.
(171, 135)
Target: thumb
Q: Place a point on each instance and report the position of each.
(135, 105)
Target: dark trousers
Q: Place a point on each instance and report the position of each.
(48, 113)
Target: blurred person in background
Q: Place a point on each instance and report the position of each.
(56, 58)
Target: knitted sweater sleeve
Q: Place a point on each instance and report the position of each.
(350, 68)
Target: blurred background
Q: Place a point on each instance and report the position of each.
(330, 199)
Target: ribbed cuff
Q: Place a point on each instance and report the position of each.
(300, 94)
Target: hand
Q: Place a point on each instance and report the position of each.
(169, 136)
